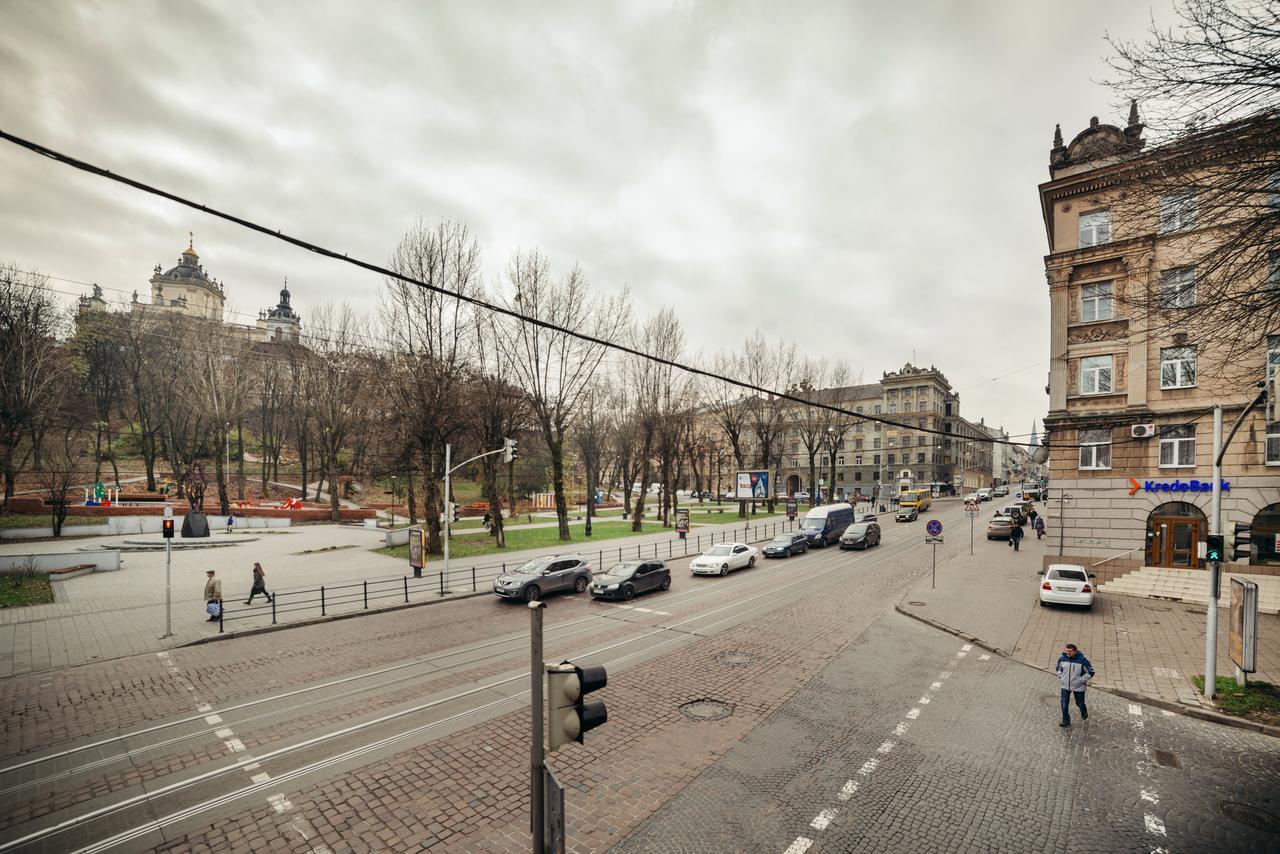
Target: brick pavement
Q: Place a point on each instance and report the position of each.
(1146, 646)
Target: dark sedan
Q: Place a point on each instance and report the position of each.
(860, 535)
(786, 545)
(624, 580)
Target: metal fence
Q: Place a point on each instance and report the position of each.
(367, 594)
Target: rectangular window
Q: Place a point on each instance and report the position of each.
(1095, 228)
(857, 475)
(921, 440)
(1177, 367)
(1273, 354)
(876, 444)
(875, 461)
(1095, 302)
(1095, 375)
(1178, 211)
(906, 407)
(877, 411)
(919, 458)
(1273, 444)
(839, 461)
(1178, 447)
(893, 407)
(1178, 288)
(891, 459)
(1273, 270)
(857, 461)
(857, 445)
(825, 462)
(1095, 449)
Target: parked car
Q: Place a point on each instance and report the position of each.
(542, 575)
(624, 580)
(972, 496)
(860, 535)
(786, 545)
(1066, 584)
(1000, 491)
(824, 525)
(1015, 513)
(984, 494)
(999, 528)
(723, 557)
(864, 517)
(906, 514)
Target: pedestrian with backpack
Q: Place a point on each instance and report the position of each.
(1074, 672)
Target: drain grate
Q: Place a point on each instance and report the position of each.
(1249, 816)
(735, 659)
(707, 710)
(917, 604)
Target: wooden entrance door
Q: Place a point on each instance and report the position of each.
(1176, 541)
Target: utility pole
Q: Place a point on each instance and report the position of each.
(448, 520)
(537, 820)
(168, 584)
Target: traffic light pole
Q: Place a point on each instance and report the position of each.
(168, 586)
(448, 514)
(537, 761)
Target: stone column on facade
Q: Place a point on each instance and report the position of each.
(1139, 276)
(1058, 312)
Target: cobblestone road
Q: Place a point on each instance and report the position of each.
(903, 744)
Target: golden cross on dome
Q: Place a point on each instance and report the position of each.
(191, 240)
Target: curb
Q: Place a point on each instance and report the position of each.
(1157, 702)
(315, 621)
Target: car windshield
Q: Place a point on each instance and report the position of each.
(536, 565)
(782, 540)
(1067, 575)
(720, 551)
(622, 570)
(858, 529)
(813, 524)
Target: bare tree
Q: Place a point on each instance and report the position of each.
(98, 359)
(768, 367)
(592, 433)
(498, 410)
(811, 422)
(728, 406)
(549, 361)
(218, 385)
(61, 460)
(336, 364)
(30, 363)
(141, 357)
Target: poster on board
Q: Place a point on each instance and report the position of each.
(752, 485)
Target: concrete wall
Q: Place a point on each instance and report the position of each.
(117, 525)
(107, 559)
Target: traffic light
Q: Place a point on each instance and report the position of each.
(509, 450)
(166, 528)
(1215, 548)
(568, 715)
(457, 514)
(1244, 542)
(450, 512)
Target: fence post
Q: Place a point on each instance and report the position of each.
(668, 548)
(637, 551)
(322, 600)
(601, 564)
(366, 595)
(406, 588)
(473, 579)
(221, 611)
(274, 596)
(442, 582)
(619, 554)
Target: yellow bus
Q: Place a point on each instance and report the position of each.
(917, 498)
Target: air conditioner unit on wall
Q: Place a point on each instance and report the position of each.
(1142, 431)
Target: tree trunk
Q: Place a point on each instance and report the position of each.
(220, 475)
(413, 499)
(302, 459)
(556, 446)
(433, 506)
(495, 500)
(149, 460)
(813, 478)
(637, 521)
(511, 488)
(334, 513)
(115, 467)
(240, 446)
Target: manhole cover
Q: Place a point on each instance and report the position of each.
(707, 710)
(1168, 759)
(735, 659)
(917, 604)
(1250, 816)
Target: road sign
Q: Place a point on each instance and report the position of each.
(929, 541)
(934, 528)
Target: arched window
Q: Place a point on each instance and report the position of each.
(1263, 531)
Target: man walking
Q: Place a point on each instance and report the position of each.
(1074, 672)
(213, 596)
(259, 584)
(1015, 535)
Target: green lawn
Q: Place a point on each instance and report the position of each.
(529, 538)
(40, 520)
(1257, 701)
(18, 590)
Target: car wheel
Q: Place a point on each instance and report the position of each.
(628, 592)
(666, 583)
(579, 584)
(1042, 603)
(724, 569)
(751, 561)
(532, 593)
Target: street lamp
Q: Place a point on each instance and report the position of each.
(395, 496)
(227, 479)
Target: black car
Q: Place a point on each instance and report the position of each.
(907, 514)
(624, 580)
(786, 545)
(860, 535)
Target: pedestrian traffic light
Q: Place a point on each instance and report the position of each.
(166, 528)
(509, 450)
(568, 715)
(1215, 548)
(1244, 542)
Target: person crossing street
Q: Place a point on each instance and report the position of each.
(1074, 672)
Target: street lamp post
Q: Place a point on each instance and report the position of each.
(395, 496)
(227, 479)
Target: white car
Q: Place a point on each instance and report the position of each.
(723, 557)
(1066, 584)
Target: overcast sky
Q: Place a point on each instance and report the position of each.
(856, 177)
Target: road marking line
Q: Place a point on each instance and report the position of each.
(966, 647)
(799, 846)
(946, 674)
(822, 819)
(224, 733)
(983, 657)
(280, 802)
(868, 766)
(204, 707)
(1150, 796)
(913, 714)
(935, 686)
(847, 790)
(252, 767)
(901, 729)
(213, 719)
(1166, 713)
(260, 778)
(235, 745)
(1154, 825)
(961, 654)
(1135, 709)
(885, 747)
(925, 700)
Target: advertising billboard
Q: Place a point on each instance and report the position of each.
(752, 485)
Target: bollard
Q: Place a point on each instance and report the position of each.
(274, 597)
(366, 595)
(221, 611)
(442, 583)
(473, 579)
(406, 588)
(322, 600)
(637, 552)
(619, 554)
(668, 548)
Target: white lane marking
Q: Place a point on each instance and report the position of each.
(235, 745)
(1135, 709)
(822, 819)
(946, 674)
(799, 846)
(935, 686)
(280, 802)
(162, 655)
(253, 766)
(868, 766)
(913, 714)
(1149, 796)
(966, 647)
(847, 790)
(213, 719)
(260, 778)
(223, 733)
(983, 657)
(1154, 825)
(204, 707)
(925, 700)
(961, 654)
(885, 747)
(1166, 713)
(901, 728)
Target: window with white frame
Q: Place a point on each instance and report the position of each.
(1095, 301)
(893, 407)
(1177, 367)
(1178, 288)
(1095, 228)
(857, 461)
(1178, 447)
(1095, 449)
(1095, 374)
(877, 443)
(1273, 444)
(1178, 211)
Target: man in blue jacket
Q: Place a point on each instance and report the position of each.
(1074, 672)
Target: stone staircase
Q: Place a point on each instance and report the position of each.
(1192, 586)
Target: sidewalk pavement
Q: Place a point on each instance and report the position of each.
(1144, 646)
(105, 615)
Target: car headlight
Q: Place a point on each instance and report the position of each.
(612, 587)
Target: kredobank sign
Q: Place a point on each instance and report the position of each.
(1175, 486)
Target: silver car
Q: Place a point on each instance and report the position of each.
(542, 575)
